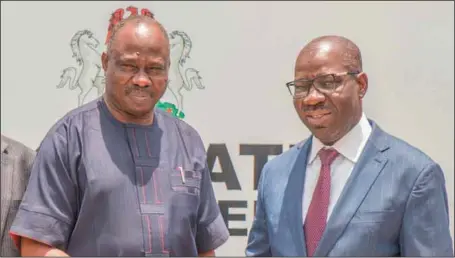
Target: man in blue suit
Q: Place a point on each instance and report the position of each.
(350, 189)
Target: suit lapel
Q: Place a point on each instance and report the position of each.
(365, 172)
(293, 199)
(6, 184)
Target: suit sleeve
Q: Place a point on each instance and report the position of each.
(48, 209)
(29, 157)
(21, 172)
(425, 229)
(258, 239)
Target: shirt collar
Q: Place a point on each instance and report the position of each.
(350, 146)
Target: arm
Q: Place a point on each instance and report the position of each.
(17, 160)
(425, 229)
(207, 254)
(46, 215)
(258, 239)
(212, 231)
(31, 247)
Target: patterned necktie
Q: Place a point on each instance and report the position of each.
(316, 217)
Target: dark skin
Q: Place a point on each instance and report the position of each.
(136, 67)
(330, 116)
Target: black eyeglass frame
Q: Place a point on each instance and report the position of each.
(311, 81)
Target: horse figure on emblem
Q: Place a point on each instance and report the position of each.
(180, 76)
(89, 75)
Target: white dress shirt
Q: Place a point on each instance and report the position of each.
(349, 147)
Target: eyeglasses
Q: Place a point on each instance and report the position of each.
(326, 83)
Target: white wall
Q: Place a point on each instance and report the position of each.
(246, 52)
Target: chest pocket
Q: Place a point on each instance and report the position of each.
(373, 216)
(185, 181)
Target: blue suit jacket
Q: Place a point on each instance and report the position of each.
(394, 204)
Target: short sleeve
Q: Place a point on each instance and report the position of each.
(49, 205)
(211, 230)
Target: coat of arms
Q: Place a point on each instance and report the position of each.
(88, 74)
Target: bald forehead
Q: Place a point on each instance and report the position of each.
(330, 51)
(138, 32)
(336, 41)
